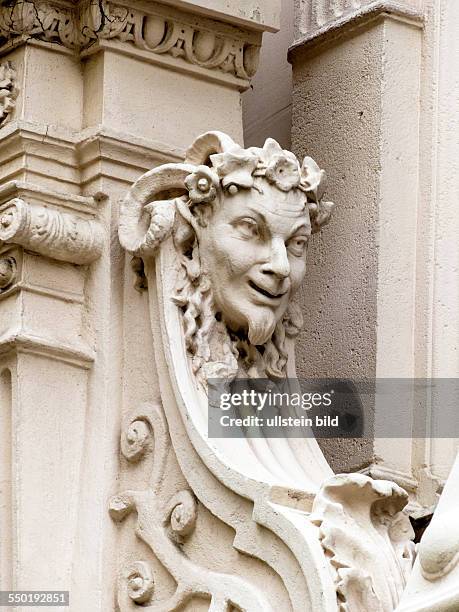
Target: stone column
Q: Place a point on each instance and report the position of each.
(93, 95)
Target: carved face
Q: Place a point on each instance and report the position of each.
(254, 251)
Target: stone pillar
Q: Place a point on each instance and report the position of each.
(93, 95)
(373, 103)
(356, 106)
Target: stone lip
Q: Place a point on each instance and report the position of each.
(353, 20)
(262, 16)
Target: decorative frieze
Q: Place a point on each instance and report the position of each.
(59, 235)
(165, 527)
(203, 43)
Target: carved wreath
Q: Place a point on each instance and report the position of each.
(213, 163)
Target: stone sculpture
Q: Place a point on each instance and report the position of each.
(223, 239)
(8, 90)
(240, 267)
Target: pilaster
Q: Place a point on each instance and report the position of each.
(357, 70)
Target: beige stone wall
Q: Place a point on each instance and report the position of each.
(337, 120)
(356, 108)
(267, 104)
(110, 484)
(371, 102)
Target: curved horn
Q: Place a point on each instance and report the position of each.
(138, 233)
(207, 144)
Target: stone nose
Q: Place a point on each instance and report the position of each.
(278, 264)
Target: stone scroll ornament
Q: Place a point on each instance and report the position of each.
(223, 237)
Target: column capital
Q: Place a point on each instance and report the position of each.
(321, 21)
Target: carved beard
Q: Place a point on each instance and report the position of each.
(261, 327)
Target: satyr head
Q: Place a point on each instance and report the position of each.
(241, 231)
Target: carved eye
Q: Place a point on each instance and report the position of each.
(247, 227)
(297, 245)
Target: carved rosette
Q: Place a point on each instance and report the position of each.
(139, 582)
(136, 439)
(7, 272)
(60, 235)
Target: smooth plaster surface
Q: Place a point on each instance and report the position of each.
(267, 104)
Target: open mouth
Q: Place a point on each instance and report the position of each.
(267, 294)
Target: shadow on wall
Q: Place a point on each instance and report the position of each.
(267, 105)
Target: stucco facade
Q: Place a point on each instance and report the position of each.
(153, 238)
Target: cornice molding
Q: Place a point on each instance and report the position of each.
(22, 342)
(35, 194)
(324, 24)
(182, 39)
(34, 153)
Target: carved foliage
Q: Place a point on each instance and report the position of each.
(366, 539)
(8, 90)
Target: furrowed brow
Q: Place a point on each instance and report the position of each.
(302, 225)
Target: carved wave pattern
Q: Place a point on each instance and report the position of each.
(78, 29)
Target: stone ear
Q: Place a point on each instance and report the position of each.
(320, 214)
